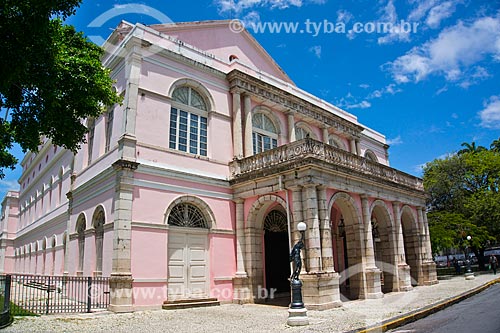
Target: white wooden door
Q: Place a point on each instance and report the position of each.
(187, 265)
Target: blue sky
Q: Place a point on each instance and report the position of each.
(429, 84)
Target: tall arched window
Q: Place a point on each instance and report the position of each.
(90, 139)
(99, 236)
(264, 134)
(109, 128)
(188, 121)
(336, 142)
(80, 230)
(369, 155)
(187, 215)
(303, 131)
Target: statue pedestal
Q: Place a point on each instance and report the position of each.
(297, 317)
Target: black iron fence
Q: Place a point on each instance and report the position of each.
(37, 294)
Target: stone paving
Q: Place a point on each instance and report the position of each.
(254, 318)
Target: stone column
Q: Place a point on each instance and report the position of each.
(291, 127)
(120, 281)
(403, 268)
(353, 145)
(372, 272)
(313, 241)
(325, 231)
(237, 138)
(358, 148)
(429, 266)
(325, 135)
(240, 281)
(298, 216)
(247, 104)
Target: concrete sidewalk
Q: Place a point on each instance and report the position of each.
(391, 311)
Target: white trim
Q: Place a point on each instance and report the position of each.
(223, 278)
(150, 280)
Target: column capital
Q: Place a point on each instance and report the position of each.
(238, 200)
(364, 196)
(236, 90)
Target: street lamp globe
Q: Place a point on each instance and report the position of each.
(469, 238)
(301, 226)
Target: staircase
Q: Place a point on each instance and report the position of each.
(189, 303)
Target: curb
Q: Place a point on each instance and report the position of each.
(424, 312)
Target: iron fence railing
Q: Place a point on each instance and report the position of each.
(38, 294)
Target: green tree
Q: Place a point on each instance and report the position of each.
(464, 198)
(51, 77)
(495, 146)
(470, 148)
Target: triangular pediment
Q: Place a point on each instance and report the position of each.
(217, 38)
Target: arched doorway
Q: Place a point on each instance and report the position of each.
(347, 246)
(382, 245)
(187, 251)
(276, 252)
(411, 243)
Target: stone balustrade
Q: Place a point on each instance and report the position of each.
(310, 148)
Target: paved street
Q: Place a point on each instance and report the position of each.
(254, 318)
(476, 314)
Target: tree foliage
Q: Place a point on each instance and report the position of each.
(51, 77)
(464, 198)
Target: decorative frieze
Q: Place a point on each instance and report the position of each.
(291, 102)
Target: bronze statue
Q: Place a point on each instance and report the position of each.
(295, 257)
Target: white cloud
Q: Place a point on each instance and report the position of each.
(490, 115)
(238, 6)
(395, 141)
(251, 20)
(344, 16)
(422, 9)
(452, 53)
(476, 75)
(390, 89)
(316, 50)
(389, 15)
(6, 185)
(361, 105)
(364, 86)
(439, 13)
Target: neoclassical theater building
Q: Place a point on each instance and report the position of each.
(193, 187)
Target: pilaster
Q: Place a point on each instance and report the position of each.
(325, 231)
(237, 135)
(313, 240)
(404, 277)
(291, 127)
(372, 272)
(121, 276)
(247, 104)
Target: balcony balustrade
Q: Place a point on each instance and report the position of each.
(309, 151)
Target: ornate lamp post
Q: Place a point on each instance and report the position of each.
(297, 313)
(468, 272)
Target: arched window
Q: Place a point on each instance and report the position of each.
(303, 131)
(336, 142)
(370, 156)
(265, 134)
(188, 121)
(109, 128)
(80, 230)
(99, 236)
(90, 139)
(187, 215)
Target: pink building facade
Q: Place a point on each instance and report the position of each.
(192, 188)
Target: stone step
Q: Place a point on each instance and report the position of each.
(189, 303)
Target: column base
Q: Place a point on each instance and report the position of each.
(429, 272)
(320, 291)
(469, 276)
(120, 286)
(242, 293)
(373, 283)
(404, 277)
(297, 317)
